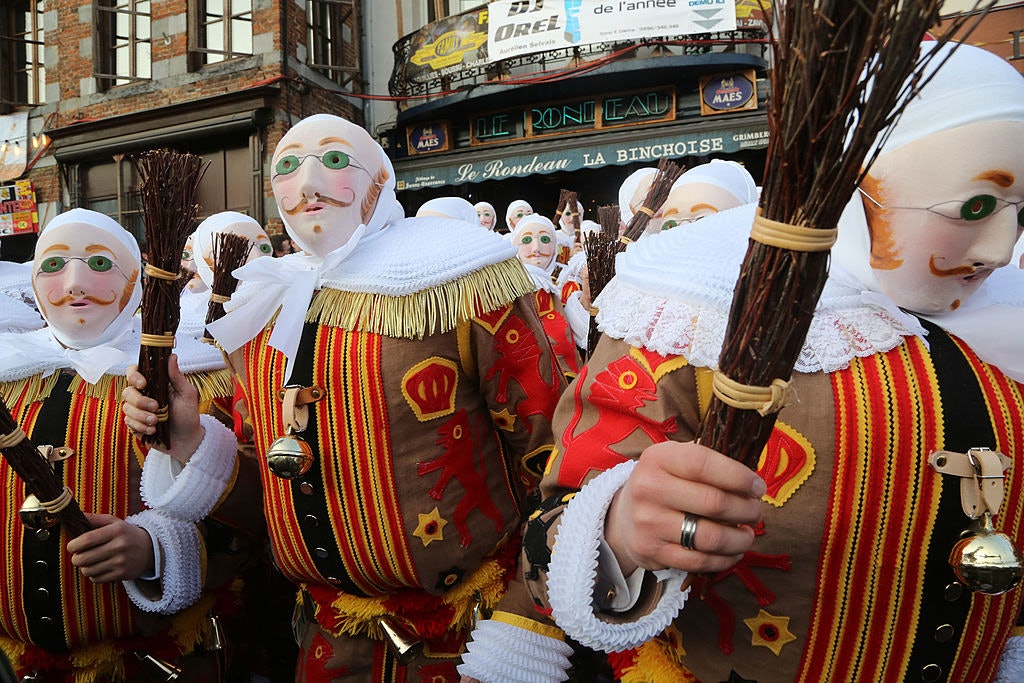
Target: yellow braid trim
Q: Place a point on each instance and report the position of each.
(528, 625)
(435, 310)
(359, 616)
(657, 662)
(14, 650)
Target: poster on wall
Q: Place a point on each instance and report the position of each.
(517, 27)
(13, 144)
(448, 46)
(18, 211)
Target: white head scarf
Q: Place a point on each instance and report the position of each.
(728, 175)
(449, 207)
(972, 86)
(516, 204)
(629, 188)
(288, 283)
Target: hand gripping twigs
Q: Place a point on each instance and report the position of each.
(824, 118)
(40, 480)
(168, 188)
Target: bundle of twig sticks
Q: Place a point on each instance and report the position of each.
(668, 172)
(601, 246)
(229, 253)
(843, 71)
(568, 204)
(37, 473)
(169, 182)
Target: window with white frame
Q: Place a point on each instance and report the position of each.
(22, 71)
(333, 40)
(219, 30)
(123, 51)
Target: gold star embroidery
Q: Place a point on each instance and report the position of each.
(769, 631)
(503, 419)
(430, 528)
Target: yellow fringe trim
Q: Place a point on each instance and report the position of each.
(359, 616)
(100, 663)
(435, 310)
(12, 649)
(36, 388)
(191, 626)
(657, 662)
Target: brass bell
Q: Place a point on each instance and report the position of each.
(402, 642)
(34, 516)
(987, 561)
(289, 456)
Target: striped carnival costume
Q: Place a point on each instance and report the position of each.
(57, 624)
(401, 399)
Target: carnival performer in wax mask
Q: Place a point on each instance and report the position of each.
(422, 334)
(135, 585)
(485, 215)
(706, 189)
(515, 212)
(199, 248)
(914, 349)
(534, 238)
(632, 193)
(568, 244)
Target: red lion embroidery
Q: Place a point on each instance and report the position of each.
(460, 461)
(618, 393)
(520, 357)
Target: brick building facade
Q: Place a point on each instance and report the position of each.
(87, 84)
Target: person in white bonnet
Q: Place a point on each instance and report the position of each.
(706, 189)
(632, 193)
(400, 388)
(515, 212)
(534, 238)
(833, 562)
(485, 214)
(150, 556)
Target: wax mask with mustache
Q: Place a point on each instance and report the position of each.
(234, 223)
(939, 228)
(86, 278)
(327, 175)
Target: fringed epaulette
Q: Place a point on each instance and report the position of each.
(29, 389)
(209, 383)
(433, 310)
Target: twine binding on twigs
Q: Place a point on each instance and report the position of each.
(58, 504)
(165, 341)
(765, 400)
(12, 439)
(160, 273)
(792, 237)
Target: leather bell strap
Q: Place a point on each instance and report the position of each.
(981, 473)
(294, 409)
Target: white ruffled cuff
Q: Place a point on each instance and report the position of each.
(579, 319)
(181, 579)
(502, 653)
(572, 573)
(1011, 665)
(192, 494)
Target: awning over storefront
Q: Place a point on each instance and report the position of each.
(610, 148)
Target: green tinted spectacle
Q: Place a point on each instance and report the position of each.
(333, 160)
(265, 248)
(977, 208)
(545, 239)
(54, 264)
